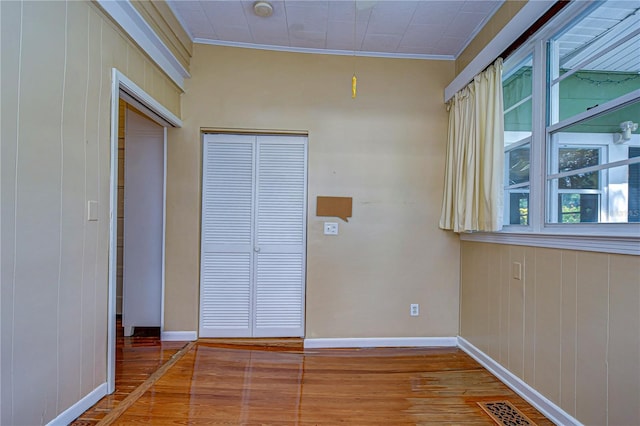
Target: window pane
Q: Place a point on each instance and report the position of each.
(516, 93)
(588, 89)
(517, 85)
(614, 201)
(578, 158)
(577, 208)
(601, 53)
(519, 208)
(519, 164)
(517, 123)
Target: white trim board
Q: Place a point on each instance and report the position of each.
(529, 13)
(554, 413)
(601, 244)
(127, 17)
(73, 412)
(380, 342)
(178, 336)
(133, 94)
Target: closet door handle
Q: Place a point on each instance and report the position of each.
(256, 249)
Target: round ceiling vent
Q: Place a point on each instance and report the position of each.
(263, 8)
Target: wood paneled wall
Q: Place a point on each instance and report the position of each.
(569, 327)
(57, 59)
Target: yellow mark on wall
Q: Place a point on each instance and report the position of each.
(354, 82)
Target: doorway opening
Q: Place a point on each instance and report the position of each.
(143, 109)
(141, 188)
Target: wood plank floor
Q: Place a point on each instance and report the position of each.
(216, 385)
(137, 358)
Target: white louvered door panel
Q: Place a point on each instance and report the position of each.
(227, 236)
(253, 236)
(280, 236)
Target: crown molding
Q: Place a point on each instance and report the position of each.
(129, 19)
(324, 51)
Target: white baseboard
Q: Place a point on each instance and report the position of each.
(73, 412)
(379, 342)
(179, 336)
(554, 413)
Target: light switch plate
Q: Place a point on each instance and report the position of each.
(330, 228)
(516, 269)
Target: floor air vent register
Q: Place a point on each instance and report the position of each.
(505, 414)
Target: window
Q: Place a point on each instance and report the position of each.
(517, 89)
(591, 170)
(578, 194)
(571, 113)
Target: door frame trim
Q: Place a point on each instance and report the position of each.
(164, 117)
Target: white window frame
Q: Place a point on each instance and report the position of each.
(622, 238)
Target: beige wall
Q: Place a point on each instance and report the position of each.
(506, 12)
(56, 80)
(386, 149)
(569, 328)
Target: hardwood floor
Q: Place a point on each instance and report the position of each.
(137, 358)
(222, 385)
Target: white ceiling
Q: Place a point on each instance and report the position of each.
(417, 28)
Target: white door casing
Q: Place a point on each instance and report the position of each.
(253, 236)
(123, 88)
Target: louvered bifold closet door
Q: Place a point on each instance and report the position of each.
(227, 236)
(280, 236)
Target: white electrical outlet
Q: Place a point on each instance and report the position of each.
(415, 309)
(330, 228)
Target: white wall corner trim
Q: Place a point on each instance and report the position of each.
(380, 342)
(73, 412)
(179, 336)
(554, 413)
(529, 13)
(125, 15)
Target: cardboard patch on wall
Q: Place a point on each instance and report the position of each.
(334, 207)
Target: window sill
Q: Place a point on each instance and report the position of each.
(617, 244)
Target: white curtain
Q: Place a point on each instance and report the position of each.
(473, 187)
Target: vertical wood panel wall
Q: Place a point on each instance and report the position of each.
(56, 87)
(569, 328)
